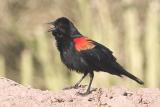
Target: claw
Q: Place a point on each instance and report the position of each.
(84, 94)
(67, 88)
(75, 86)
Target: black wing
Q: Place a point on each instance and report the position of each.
(100, 57)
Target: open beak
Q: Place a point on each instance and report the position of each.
(51, 26)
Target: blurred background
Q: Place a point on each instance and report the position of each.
(130, 28)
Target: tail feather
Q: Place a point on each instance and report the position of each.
(121, 71)
(133, 77)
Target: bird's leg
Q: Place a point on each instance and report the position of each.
(77, 84)
(89, 86)
(91, 79)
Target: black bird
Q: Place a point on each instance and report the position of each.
(84, 55)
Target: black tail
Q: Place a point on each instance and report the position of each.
(122, 71)
(133, 77)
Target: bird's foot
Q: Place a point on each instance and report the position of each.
(84, 94)
(94, 89)
(87, 92)
(75, 87)
(67, 88)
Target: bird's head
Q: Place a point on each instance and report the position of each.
(63, 27)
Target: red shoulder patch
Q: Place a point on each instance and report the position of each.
(83, 43)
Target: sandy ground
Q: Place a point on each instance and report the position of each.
(13, 94)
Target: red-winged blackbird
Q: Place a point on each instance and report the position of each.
(84, 55)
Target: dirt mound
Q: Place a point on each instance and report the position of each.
(13, 94)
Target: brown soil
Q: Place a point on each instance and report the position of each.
(13, 94)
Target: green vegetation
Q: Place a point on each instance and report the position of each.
(28, 54)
